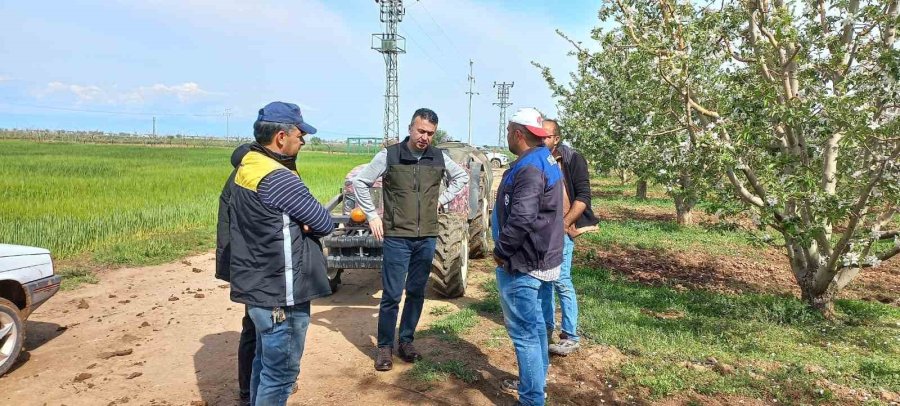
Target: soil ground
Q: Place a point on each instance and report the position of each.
(177, 332)
(168, 335)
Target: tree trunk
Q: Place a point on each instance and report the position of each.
(641, 193)
(685, 200)
(683, 211)
(623, 176)
(821, 300)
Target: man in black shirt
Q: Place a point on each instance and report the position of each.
(578, 218)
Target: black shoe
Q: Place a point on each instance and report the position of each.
(408, 353)
(245, 400)
(384, 360)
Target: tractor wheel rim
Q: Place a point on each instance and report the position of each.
(486, 220)
(9, 334)
(464, 268)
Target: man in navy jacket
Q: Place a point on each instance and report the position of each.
(528, 236)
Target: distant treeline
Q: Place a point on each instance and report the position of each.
(99, 137)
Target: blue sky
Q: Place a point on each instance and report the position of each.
(113, 65)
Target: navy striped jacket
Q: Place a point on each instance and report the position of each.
(270, 260)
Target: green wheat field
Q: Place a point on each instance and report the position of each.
(127, 205)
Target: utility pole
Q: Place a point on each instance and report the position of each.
(154, 126)
(470, 93)
(227, 129)
(503, 102)
(391, 45)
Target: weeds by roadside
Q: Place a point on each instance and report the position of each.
(75, 277)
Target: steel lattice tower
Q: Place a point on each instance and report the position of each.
(391, 45)
(503, 97)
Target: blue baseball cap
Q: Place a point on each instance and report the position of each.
(286, 113)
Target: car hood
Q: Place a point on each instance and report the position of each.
(9, 250)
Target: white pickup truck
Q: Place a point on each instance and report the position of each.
(26, 282)
(497, 159)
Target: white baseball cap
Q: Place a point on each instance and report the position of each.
(531, 119)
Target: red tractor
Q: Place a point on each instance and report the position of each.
(464, 227)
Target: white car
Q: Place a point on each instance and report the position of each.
(497, 159)
(26, 282)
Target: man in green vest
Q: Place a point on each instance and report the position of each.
(412, 172)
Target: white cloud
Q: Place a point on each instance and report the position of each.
(4, 78)
(184, 93)
(88, 93)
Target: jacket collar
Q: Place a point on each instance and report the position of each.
(565, 152)
(529, 152)
(289, 162)
(407, 155)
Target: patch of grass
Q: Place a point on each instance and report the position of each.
(497, 337)
(75, 277)
(440, 310)
(148, 248)
(491, 303)
(668, 235)
(430, 371)
(75, 199)
(450, 327)
(762, 338)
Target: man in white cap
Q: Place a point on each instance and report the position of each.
(528, 236)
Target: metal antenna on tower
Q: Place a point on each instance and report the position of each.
(470, 93)
(503, 97)
(390, 44)
(227, 116)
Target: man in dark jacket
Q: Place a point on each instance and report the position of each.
(528, 247)
(274, 260)
(412, 171)
(578, 218)
(247, 344)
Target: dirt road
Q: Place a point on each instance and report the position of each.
(168, 334)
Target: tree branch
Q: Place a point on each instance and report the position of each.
(829, 174)
(743, 193)
(858, 211)
(890, 254)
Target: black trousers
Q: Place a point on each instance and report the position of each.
(246, 352)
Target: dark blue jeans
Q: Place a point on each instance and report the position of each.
(279, 347)
(407, 263)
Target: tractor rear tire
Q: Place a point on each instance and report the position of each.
(479, 246)
(334, 279)
(450, 266)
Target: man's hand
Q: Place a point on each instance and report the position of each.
(377, 228)
(498, 260)
(306, 229)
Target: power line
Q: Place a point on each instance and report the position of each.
(436, 64)
(228, 113)
(470, 93)
(450, 40)
(430, 38)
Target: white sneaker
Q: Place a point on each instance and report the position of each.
(564, 347)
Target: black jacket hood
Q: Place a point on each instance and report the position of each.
(238, 155)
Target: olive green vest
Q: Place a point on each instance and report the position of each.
(411, 188)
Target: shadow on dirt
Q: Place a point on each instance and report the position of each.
(215, 364)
